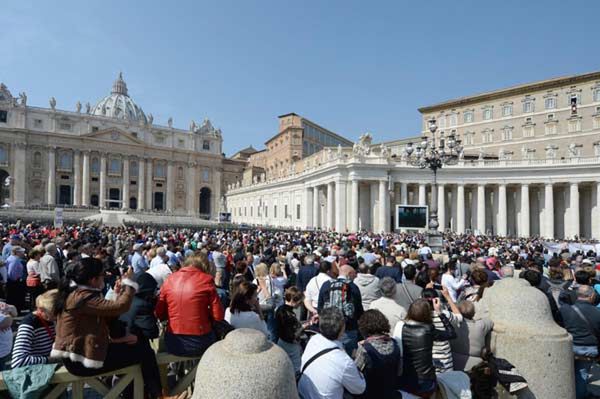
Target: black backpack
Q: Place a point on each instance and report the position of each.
(340, 296)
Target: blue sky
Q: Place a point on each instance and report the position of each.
(351, 66)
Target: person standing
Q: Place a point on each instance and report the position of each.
(15, 284)
(138, 261)
(387, 305)
(327, 370)
(49, 272)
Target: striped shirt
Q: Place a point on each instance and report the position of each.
(441, 351)
(32, 343)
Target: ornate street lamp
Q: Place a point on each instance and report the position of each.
(433, 153)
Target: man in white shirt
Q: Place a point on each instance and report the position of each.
(326, 368)
(311, 295)
(159, 258)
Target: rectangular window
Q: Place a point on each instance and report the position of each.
(528, 131)
(38, 123)
(597, 123)
(453, 119)
(298, 211)
(528, 106)
(285, 211)
(469, 139)
(550, 103)
(575, 98)
(488, 137)
(550, 117)
(597, 95)
(205, 175)
(468, 118)
(507, 134)
(95, 129)
(3, 116)
(487, 114)
(275, 211)
(551, 128)
(181, 143)
(65, 126)
(507, 110)
(574, 126)
(159, 139)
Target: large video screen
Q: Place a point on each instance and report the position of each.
(411, 216)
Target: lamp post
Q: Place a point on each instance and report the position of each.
(433, 153)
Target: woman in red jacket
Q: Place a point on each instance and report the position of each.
(189, 302)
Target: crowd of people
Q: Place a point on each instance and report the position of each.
(360, 315)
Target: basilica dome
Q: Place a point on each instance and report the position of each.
(119, 105)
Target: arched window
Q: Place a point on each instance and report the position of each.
(3, 155)
(180, 172)
(206, 145)
(114, 166)
(133, 169)
(159, 170)
(95, 165)
(37, 159)
(65, 161)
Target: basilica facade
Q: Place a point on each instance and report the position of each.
(109, 155)
(530, 165)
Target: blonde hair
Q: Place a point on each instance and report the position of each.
(261, 270)
(199, 261)
(275, 269)
(47, 300)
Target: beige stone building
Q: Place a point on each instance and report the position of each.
(551, 119)
(109, 155)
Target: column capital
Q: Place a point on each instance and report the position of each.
(21, 145)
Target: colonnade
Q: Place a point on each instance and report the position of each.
(551, 210)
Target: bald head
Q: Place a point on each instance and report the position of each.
(347, 271)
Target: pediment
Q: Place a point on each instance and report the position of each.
(115, 136)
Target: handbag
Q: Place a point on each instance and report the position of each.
(33, 280)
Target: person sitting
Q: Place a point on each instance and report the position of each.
(417, 335)
(189, 302)
(387, 305)
(289, 328)
(141, 322)
(83, 319)
(36, 332)
(326, 368)
(378, 355)
(244, 311)
(472, 336)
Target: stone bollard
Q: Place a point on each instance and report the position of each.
(245, 365)
(526, 335)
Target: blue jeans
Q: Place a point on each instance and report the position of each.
(271, 325)
(350, 341)
(582, 369)
(189, 345)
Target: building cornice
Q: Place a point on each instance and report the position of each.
(512, 91)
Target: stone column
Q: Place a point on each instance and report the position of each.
(441, 205)
(502, 211)
(217, 193)
(125, 190)
(170, 186)
(51, 176)
(190, 201)
(354, 208)
(149, 183)
(316, 206)
(330, 215)
(573, 213)
(308, 207)
(549, 211)
(76, 177)
(403, 198)
(384, 207)
(422, 194)
(524, 210)
(141, 184)
(102, 195)
(460, 208)
(481, 208)
(340, 208)
(85, 183)
(19, 161)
